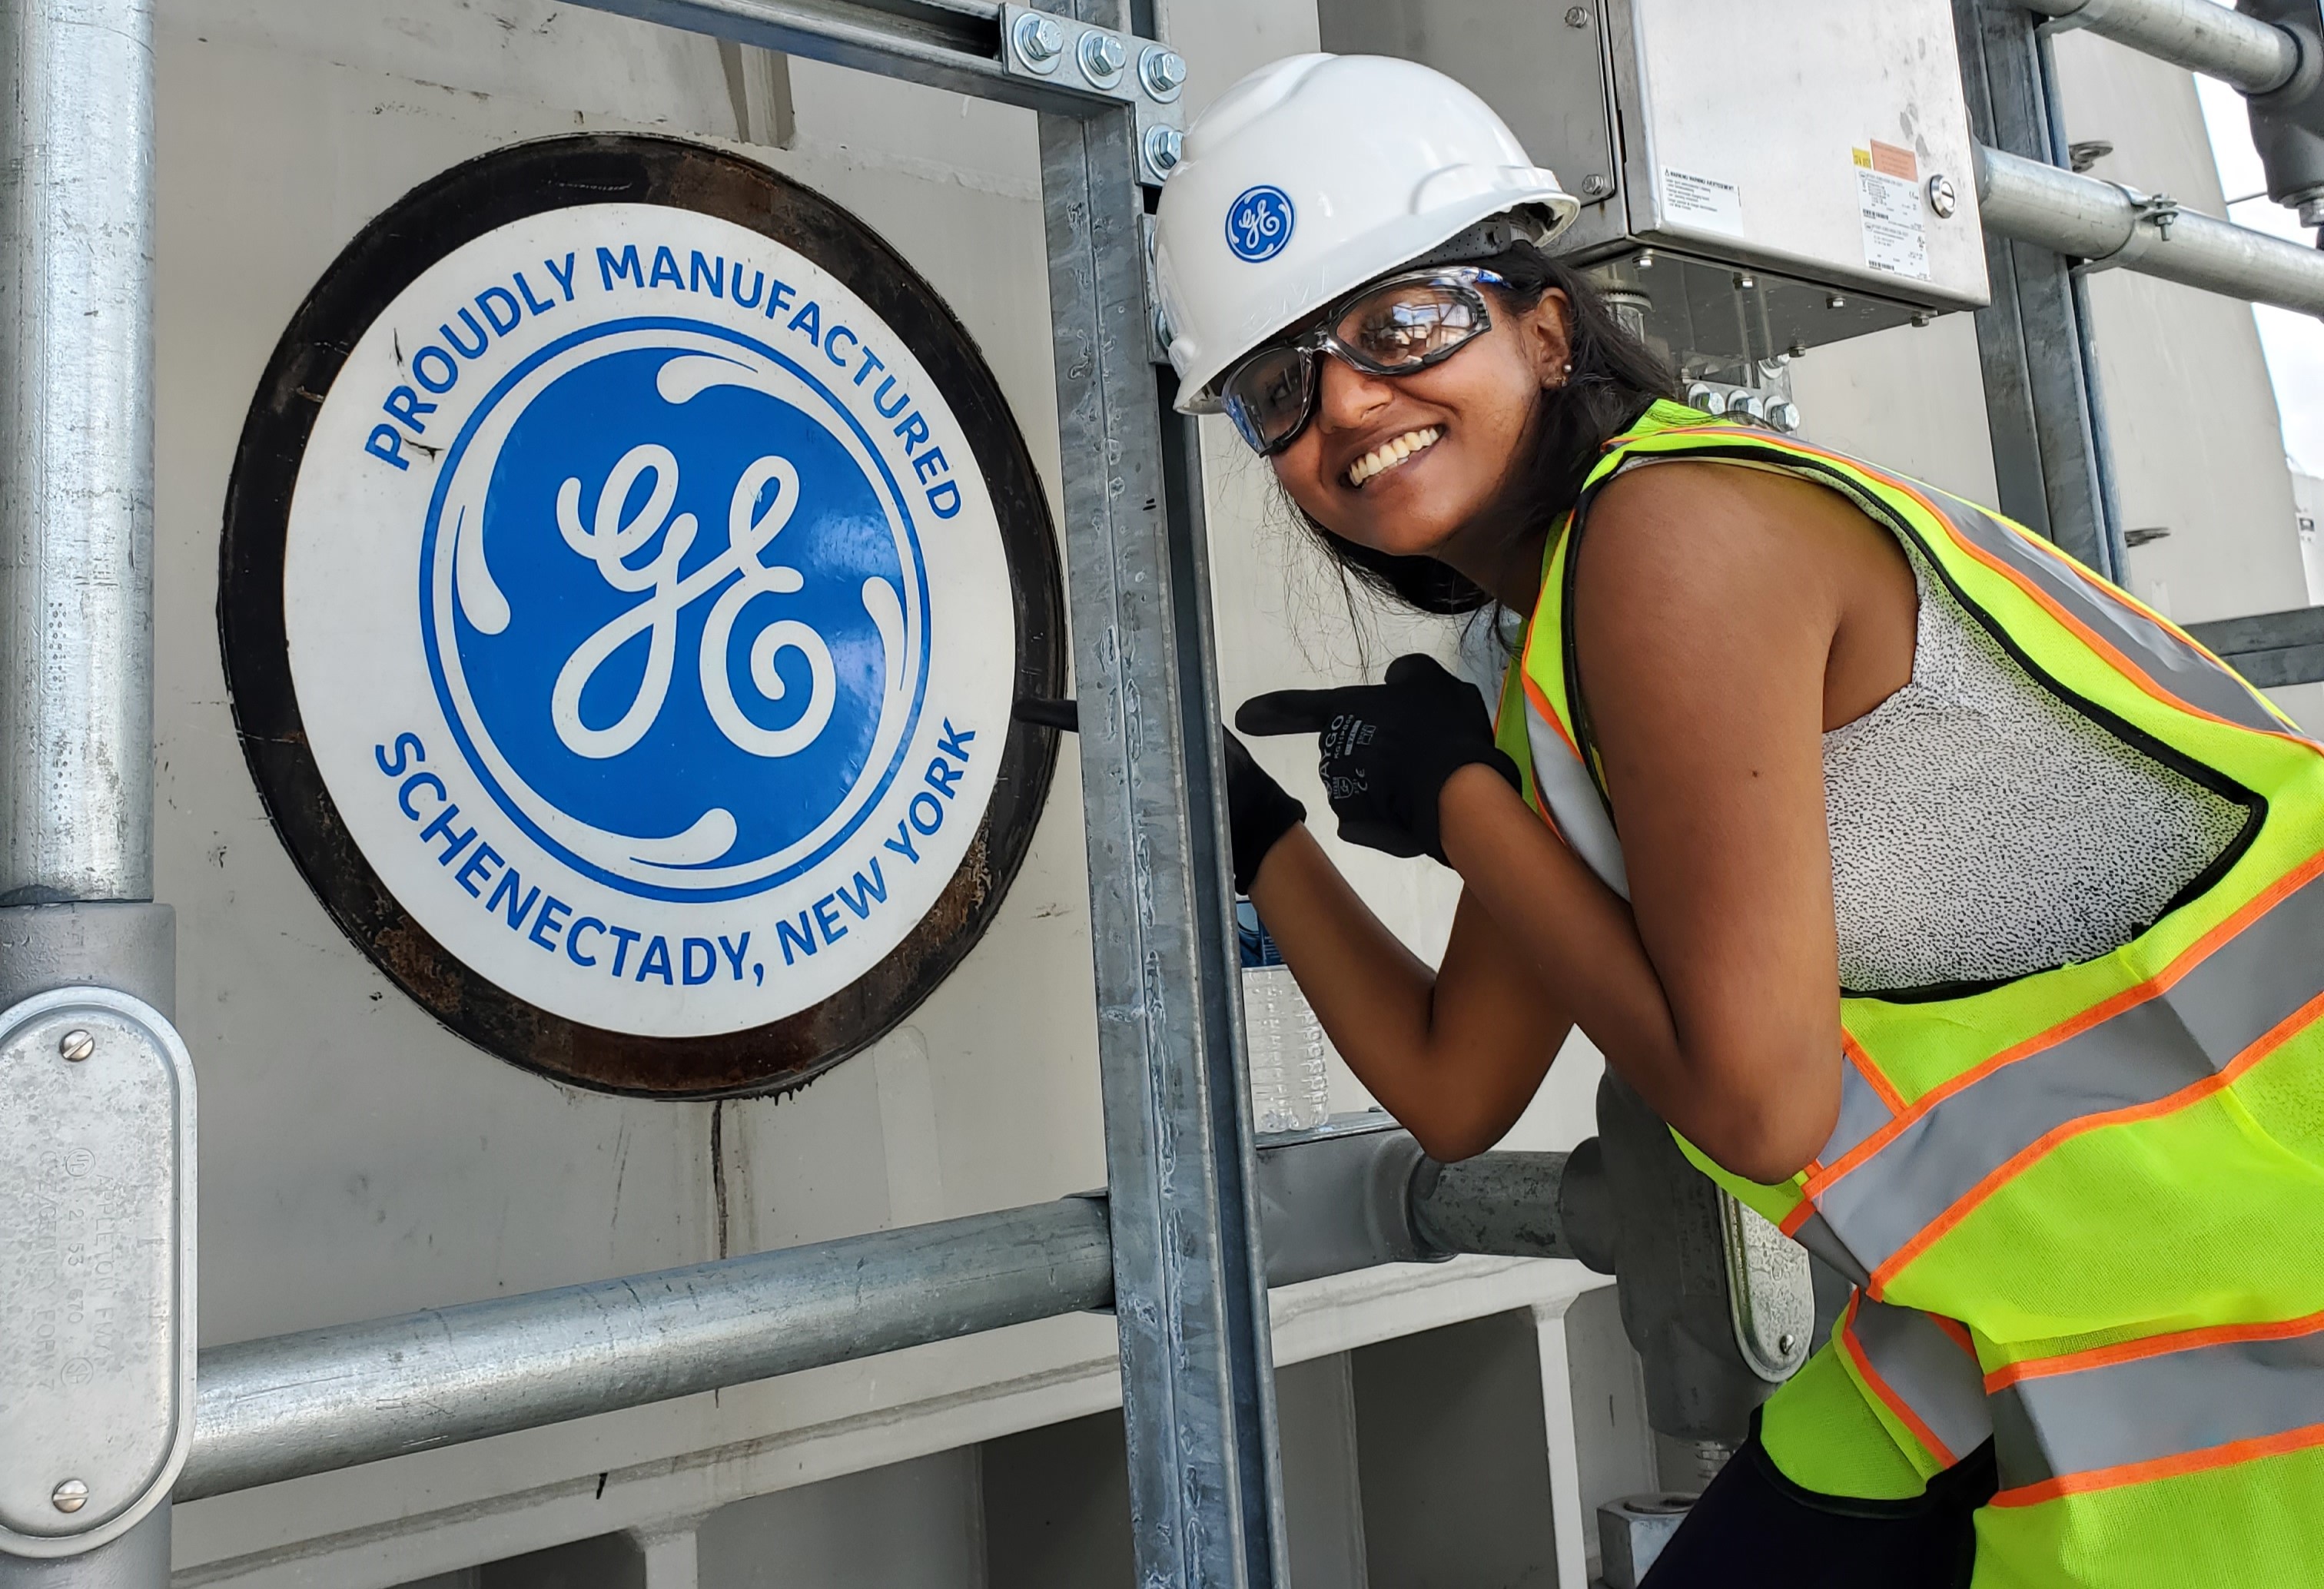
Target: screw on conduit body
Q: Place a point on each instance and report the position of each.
(69, 1496)
(76, 1044)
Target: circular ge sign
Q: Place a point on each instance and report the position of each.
(628, 568)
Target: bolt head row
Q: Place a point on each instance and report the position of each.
(1040, 42)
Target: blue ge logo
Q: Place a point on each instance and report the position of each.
(1259, 222)
(675, 610)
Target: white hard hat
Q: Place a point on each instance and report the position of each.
(1309, 177)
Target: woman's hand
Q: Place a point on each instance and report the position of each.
(1386, 749)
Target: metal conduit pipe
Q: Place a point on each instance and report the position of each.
(2110, 225)
(76, 437)
(2200, 35)
(325, 1399)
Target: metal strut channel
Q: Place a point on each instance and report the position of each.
(951, 44)
(1190, 1296)
(2042, 405)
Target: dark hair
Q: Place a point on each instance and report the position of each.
(1614, 377)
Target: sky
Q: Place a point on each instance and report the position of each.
(2294, 343)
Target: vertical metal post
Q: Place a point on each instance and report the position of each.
(2049, 452)
(76, 554)
(76, 451)
(1190, 1295)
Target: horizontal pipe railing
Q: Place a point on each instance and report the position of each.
(324, 1399)
(2199, 35)
(2105, 223)
(289, 1405)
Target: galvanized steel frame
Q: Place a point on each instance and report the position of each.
(1184, 1271)
(2042, 409)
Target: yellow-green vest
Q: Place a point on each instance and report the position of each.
(2084, 1208)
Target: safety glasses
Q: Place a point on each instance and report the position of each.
(1392, 327)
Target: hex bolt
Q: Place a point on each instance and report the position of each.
(1162, 335)
(1040, 41)
(1597, 187)
(1102, 57)
(1163, 71)
(1835, 302)
(1941, 196)
(1923, 318)
(69, 1496)
(76, 1044)
(1577, 16)
(1646, 260)
(1799, 348)
(1745, 281)
(1164, 146)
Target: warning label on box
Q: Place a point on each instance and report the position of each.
(1888, 195)
(1703, 202)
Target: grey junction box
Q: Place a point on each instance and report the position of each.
(1756, 175)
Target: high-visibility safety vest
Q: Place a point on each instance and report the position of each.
(2083, 1208)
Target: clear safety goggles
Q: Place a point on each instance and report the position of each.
(1392, 327)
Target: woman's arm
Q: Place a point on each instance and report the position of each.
(1723, 619)
(1454, 1054)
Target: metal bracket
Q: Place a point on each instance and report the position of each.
(96, 1267)
(1770, 1292)
(1105, 64)
(2152, 214)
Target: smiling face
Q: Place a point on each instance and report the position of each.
(1402, 463)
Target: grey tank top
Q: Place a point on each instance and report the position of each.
(1981, 829)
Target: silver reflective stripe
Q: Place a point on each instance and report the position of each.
(1565, 788)
(1817, 1237)
(2245, 988)
(2174, 664)
(1862, 1112)
(1928, 1370)
(2171, 1404)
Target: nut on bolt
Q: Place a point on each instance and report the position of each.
(76, 1044)
(1594, 185)
(1162, 72)
(1102, 57)
(1164, 146)
(69, 1496)
(1040, 41)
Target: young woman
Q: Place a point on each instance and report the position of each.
(1957, 913)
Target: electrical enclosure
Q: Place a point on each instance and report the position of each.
(1756, 175)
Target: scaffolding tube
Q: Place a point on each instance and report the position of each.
(324, 1399)
(2107, 224)
(76, 433)
(2199, 35)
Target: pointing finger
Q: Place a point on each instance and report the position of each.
(1290, 711)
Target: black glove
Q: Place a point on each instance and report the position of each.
(1259, 811)
(1388, 748)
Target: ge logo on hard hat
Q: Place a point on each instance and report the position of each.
(676, 609)
(1259, 222)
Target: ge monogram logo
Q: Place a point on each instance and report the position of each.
(1259, 222)
(674, 609)
(624, 632)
